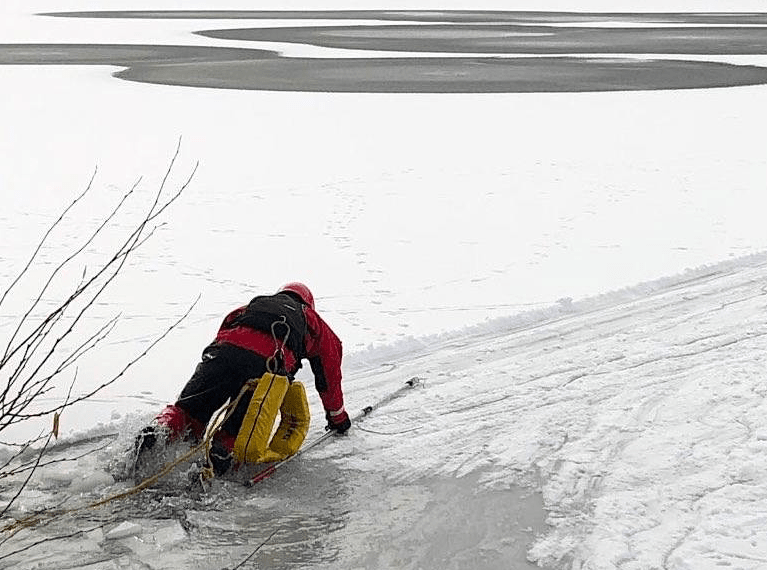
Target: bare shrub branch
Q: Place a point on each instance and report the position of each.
(44, 346)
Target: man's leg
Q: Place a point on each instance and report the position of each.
(241, 366)
(202, 395)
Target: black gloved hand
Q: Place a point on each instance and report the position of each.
(339, 423)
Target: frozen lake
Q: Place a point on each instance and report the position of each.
(413, 215)
(409, 214)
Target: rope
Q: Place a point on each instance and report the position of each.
(207, 472)
(37, 518)
(274, 364)
(205, 444)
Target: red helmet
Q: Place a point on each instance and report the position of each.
(301, 290)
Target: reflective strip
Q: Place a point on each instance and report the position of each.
(337, 412)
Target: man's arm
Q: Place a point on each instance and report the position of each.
(324, 351)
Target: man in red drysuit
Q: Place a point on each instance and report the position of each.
(246, 341)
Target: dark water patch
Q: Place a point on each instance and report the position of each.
(255, 69)
(336, 518)
(251, 69)
(439, 523)
(457, 16)
(456, 38)
(449, 75)
(122, 55)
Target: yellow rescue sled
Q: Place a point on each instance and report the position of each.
(273, 394)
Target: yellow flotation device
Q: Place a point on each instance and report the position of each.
(273, 393)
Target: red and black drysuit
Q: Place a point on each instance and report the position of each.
(239, 353)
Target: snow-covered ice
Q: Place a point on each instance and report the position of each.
(491, 245)
(123, 530)
(639, 415)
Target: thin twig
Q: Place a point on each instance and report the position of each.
(45, 540)
(46, 235)
(47, 516)
(28, 466)
(137, 358)
(26, 481)
(34, 356)
(259, 547)
(61, 265)
(39, 456)
(70, 360)
(134, 240)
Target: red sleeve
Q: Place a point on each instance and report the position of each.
(324, 352)
(228, 319)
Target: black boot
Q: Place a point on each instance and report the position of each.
(220, 457)
(148, 440)
(145, 440)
